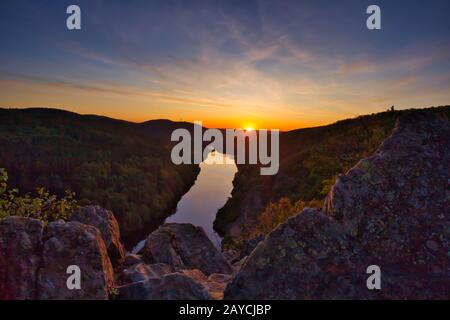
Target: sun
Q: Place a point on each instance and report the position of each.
(249, 129)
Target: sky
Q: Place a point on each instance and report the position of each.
(265, 64)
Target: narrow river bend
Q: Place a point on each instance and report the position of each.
(209, 193)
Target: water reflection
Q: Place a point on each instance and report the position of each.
(209, 193)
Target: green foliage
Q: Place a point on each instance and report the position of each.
(310, 160)
(122, 166)
(42, 206)
(276, 213)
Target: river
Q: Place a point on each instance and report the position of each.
(209, 193)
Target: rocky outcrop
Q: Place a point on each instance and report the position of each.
(142, 271)
(215, 284)
(391, 210)
(143, 281)
(174, 286)
(34, 260)
(20, 242)
(73, 243)
(104, 221)
(180, 262)
(132, 259)
(306, 257)
(184, 246)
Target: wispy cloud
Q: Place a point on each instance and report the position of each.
(276, 62)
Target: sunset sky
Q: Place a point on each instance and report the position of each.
(265, 64)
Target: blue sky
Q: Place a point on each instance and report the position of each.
(274, 64)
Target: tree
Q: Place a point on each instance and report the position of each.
(42, 206)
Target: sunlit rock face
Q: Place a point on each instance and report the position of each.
(390, 210)
(184, 246)
(34, 260)
(20, 242)
(397, 201)
(173, 286)
(105, 221)
(178, 261)
(74, 243)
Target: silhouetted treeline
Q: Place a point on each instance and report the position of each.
(120, 165)
(310, 160)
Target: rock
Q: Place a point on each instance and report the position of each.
(141, 272)
(306, 257)
(73, 243)
(216, 284)
(390, 210)
(20, 258)
(195, 274)
(105, 221)
(175, 286)
(250, 245)
(34, 260)
(132, 259)
(220, 277)
(396, 203)
(133, 288)
(432, 245)
(184, 246)
(232, 256)
(242, 249)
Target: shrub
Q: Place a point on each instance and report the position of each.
(42, 205)
(275, 214)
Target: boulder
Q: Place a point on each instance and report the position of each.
(105, 221)
(250, 245)
(308, 256)
(397, 201)
(175, 286)
(141, 272)
(391, 210)
(195, 274)
(232, 256)
(73, 243)
(131, 260)
(184, 246)
(20, 257)
(216, 284)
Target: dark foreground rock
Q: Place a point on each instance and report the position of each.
(34, 260)
(175, 286)
(178, 262)
(73, 243)
(20, 241)
(132, 259)
(390, 210)
(105, 221)
(142, 271)
(184, 246)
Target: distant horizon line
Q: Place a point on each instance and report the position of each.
(207, 127)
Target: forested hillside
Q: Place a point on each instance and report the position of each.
(310, 160)
(120, 165)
